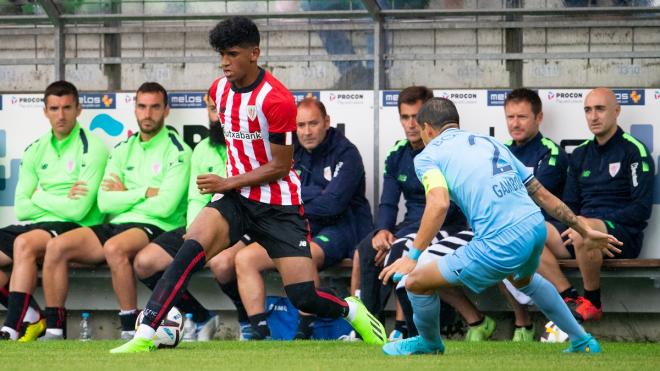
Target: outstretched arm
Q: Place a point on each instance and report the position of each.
(557, 209)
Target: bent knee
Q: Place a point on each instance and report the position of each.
(25, 249)
(414, 283)
(143, 266)
(222, 267)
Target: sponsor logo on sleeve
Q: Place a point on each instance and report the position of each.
(98, 101)
(390, 98)
(497, 97)
(186, 100)
(300, 95)
(630, 97)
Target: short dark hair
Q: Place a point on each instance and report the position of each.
(152, 87)
(234, 31)
(414, 94)
(311, 101)
(60, 89)
(525, 95)
(438, 112)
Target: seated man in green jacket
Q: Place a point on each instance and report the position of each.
(56, 192)
(143, 193)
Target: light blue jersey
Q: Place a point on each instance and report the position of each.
(483, 178)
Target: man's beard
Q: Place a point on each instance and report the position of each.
(216, 136)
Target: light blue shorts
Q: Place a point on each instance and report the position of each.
(483, 263)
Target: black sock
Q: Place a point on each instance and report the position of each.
(528, 327)
(190, 259)
(128, 320)
(570, 292)
(402, 296)
(18, 305)
(187, 303)
(56, 318)
(260, 330)
(477, 323)
(593, 297)
(231, 290)
(402, 327)
(4, 296)
(305, 327)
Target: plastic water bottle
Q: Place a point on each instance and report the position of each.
(188, 328)
(85, 329)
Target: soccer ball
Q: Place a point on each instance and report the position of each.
(553, 334)
(170, 331)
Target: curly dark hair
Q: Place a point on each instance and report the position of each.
(234, 31)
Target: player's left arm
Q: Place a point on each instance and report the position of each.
(557, 209)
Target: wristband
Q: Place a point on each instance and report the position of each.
(413, 253)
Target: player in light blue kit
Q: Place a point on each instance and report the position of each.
(493, 190)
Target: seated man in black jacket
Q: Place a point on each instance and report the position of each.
(610, 183)
(333, 191)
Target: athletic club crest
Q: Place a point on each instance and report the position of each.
(252, 112)
(156, 167)
(614, 168)
(70, 165)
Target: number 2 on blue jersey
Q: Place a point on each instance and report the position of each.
(496, 155)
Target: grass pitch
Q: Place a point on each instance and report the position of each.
(323, 355)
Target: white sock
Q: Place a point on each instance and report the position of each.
(145, 332)
(31, 315)
(13, 334)
(352, 311)
(55, 331)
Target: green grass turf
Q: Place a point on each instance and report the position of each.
(323, 355)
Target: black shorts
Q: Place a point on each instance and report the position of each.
(281, 230)
(632, 243)
(9, 233)
(104, 232)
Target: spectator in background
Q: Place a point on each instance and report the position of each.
(56, 192)
(610, 183)
(144, 196)
(333, 191)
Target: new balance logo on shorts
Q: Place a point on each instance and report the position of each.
(303, 244)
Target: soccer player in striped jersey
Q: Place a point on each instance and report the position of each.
(497, 194)
(260, 195)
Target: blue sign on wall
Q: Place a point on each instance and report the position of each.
(98, 101)
(187, 100)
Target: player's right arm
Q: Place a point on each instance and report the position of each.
(27, 183)
(435, 212)
(557, 209)
(113, 201)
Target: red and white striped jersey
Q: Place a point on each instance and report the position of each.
(249, 115)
